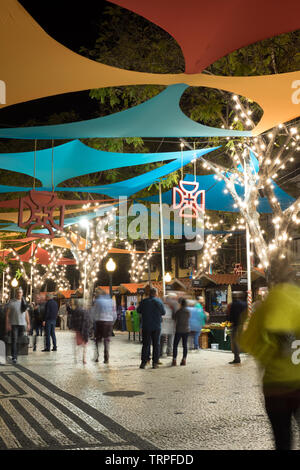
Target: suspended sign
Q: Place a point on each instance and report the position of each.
(191, 200)
(42, 205)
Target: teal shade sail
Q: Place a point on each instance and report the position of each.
(160, 116)
(76, 159)
(129, 186)
(216, 199)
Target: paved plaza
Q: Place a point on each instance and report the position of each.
(48, 401)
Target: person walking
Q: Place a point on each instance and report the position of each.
(168, 326)
(17, 318)
(272, 337)
(234, 313)
(151, 310)
(51, 311)
(37, 319)
(81, 324)
(182, 322)
(197, 321)
(63, 316)
(104, 316)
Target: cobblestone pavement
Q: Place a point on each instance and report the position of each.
(49, 401)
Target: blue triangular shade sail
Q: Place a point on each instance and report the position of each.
(136, 184)
(216, 199)
(127, 187)
(75, 159)
(160, 116)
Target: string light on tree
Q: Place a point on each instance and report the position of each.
(139, 263)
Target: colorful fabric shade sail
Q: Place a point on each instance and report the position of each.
(207, 31)
(216, 199)
(160, 116)
(42, 256)
(76, 159)
(130, 186)
(50, 67)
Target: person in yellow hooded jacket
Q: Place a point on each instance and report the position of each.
(272, 337)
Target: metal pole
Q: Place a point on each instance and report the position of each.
(249, 290)
(84, 285)
(162, 241)
(110, 284)
(148, 261)
(31, 277)
(3, 281)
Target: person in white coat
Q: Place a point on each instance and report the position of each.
(168, 325)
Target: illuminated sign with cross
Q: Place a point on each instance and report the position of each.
(191, 200)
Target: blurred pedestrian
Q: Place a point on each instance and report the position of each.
(182, 322)
(51, 311)
(30, 312)
(104, 316)
(272, 336)
(201, 304)
(37, 319)
(151, 310)
(168, 326)
(81, 324)
(63, 316)
(235, 311)
(17, 318)
(131, 306)
(197, 321)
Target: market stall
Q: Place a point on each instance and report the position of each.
(216, 334)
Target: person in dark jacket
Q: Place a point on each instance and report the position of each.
(51, 311)
(37, 319)
(182, 322)
(151, 309)
(234, 313)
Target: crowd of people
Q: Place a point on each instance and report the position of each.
(39, 318)
(271, 334)
(164, 323)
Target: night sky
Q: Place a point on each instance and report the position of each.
(73, 24)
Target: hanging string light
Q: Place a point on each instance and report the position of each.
(139, 263)
(89, 252)
(274, 151)
(210, 250)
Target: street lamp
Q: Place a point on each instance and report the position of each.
(14, 284)
(168, 277)
(110, 267)
(85, 224)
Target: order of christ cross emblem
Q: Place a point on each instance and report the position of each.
(189, 194)
(41, 205)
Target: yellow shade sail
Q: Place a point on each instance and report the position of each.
(34, 65)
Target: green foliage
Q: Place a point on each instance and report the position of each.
(18, 274)
(3, 266)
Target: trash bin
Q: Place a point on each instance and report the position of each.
(221, 337)
(135, 321)
(129, 326)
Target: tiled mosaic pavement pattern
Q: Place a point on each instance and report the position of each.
(48, 401)
(34, 414)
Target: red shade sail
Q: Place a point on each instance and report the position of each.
(211, 29)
